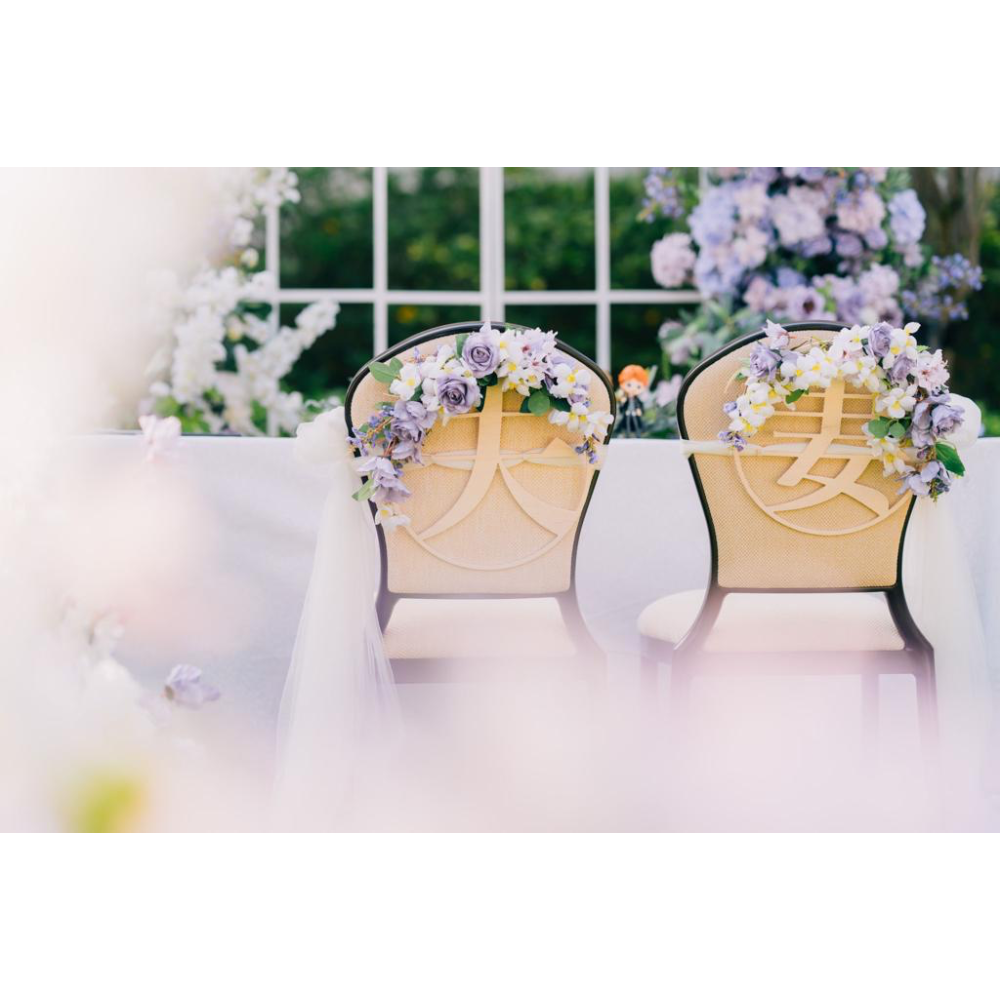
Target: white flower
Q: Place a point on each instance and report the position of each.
(571, 419)
(931, 371)
(816, 368)
(241, 233)
(892, 455)
(897, 402)
(861, 371)
(388, 516)
(756, 404)
(160, 435)
(902, 345)
(597, 425)
(406, 384)
(569, 379)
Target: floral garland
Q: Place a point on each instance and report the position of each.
(451, 382)
(909, 384)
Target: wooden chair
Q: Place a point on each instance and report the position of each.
(483, 577)
(806, 552)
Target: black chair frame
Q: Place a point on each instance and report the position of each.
(688, 657)
(426, 670)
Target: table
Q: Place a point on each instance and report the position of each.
(257, 509)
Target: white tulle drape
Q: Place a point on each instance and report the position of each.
(339, 699)
(942, 598)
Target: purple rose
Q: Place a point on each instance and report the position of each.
(480, 354)
(457, 394)
(920, 426)
(764, 363)
(880, 340)
(946, 418)
(901, 369)
(408, 428)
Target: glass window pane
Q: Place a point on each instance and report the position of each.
(632, 237)
(549, 228)
(336, 357)
(575, 325)
(405, 321)
(434, 228)
(326, 239)
(634, 331)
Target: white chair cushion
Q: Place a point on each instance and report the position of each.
(516, 628)
(760, 623)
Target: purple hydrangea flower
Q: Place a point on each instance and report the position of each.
(849, 245)
(185, 686)
(906, 218)
(480, 354)
(457, 394)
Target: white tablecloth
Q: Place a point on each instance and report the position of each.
(257, 511)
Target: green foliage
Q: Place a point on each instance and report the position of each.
(947, 455)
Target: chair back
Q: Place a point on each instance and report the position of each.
(498, 505)
(805, 519)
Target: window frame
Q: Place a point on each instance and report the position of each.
(492, 298)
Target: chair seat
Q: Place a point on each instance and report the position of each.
(515, 629)
(799, 623)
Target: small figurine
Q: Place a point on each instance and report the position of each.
(633, 382)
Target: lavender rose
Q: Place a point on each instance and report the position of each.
(880, 340)
(901, 369)
(480, 354)
(921, 433)
(457, 395)
(946, 418)
(764, 363)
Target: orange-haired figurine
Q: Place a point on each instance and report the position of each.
(633, 381)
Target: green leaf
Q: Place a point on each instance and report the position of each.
(460, 343)
(524, 405)
(382, 372)
(539, 402)
(167, 406)
(795, 395)
(897, 430)
(741, 376)
(947, 455)
(879, 427)
(560, 404)
(366, 490)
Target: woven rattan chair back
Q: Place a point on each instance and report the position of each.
(787, 522)
(497, 508)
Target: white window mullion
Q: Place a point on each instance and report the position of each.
(602, 249)
(380, 243)
(272, 259)
(491, 243)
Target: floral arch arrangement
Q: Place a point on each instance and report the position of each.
(452, 381)
(908, 383)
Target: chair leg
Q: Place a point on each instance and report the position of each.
(649, 672)
(680, 687)
(927, 708)
(870, 715)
